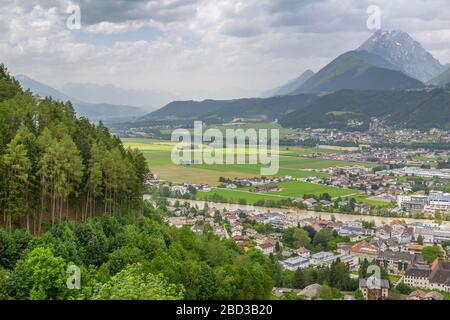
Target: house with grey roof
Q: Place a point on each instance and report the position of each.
(436, 277)
(396, 262)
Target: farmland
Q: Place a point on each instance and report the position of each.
(292, 190)
(293, 162)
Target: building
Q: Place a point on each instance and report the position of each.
(431, 234)
(441, 236)
(310, 203)
(349, 231)
(182, 190)
(303, 252)
(415, 203)
(365, 250)
(438, 201)
(325, 259)
(266, 248)
(396, 262)
(374, 292)
(384, 232)
(180, 222)
(426, 233)
(422, 295)
(363, 208)
(271, 187)
(417, 277)
(296, 263)
(321, 259)
(435, 277)
(351, 261)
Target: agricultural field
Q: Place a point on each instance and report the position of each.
(292, 190)
(292, 163)
(158, 154)
(284, 132)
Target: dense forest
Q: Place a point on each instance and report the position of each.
(131, 257)
(54, 165)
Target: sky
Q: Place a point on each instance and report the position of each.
(198, 49)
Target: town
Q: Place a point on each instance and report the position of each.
(411, 253)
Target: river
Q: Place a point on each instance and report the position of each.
(301, 214)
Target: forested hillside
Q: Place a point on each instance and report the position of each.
(268, 109)
(126, 257)
(54, 166)
(421, 109)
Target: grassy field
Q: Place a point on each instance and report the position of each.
(292, 189)
(283, 131)
(158, 155)
(292, 163)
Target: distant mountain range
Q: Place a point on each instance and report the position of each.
(251, 109)
(383, 78)
(371, 67)
(422, 109)
(93, 111)
(95, 93)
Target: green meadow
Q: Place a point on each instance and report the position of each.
(293, 162)
(292, 190)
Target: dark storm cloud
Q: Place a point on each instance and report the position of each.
(118, 11)
(130, 10)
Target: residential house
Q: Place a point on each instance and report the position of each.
(271, 187)
(384, 232)
(180, 222)
(362, 208)
(377, 291)
(303, 252)
(266, 247)
(310, 203)
(365, 250)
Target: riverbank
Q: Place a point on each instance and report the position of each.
(298, 214)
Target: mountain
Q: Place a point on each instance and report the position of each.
(358, 70)
(95, 93)
(41, 89)
(420, 109)
(93, 111)
(401, 50)
(291, 86)
(250, 109)
(441, 80)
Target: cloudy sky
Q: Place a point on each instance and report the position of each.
(200, 48)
